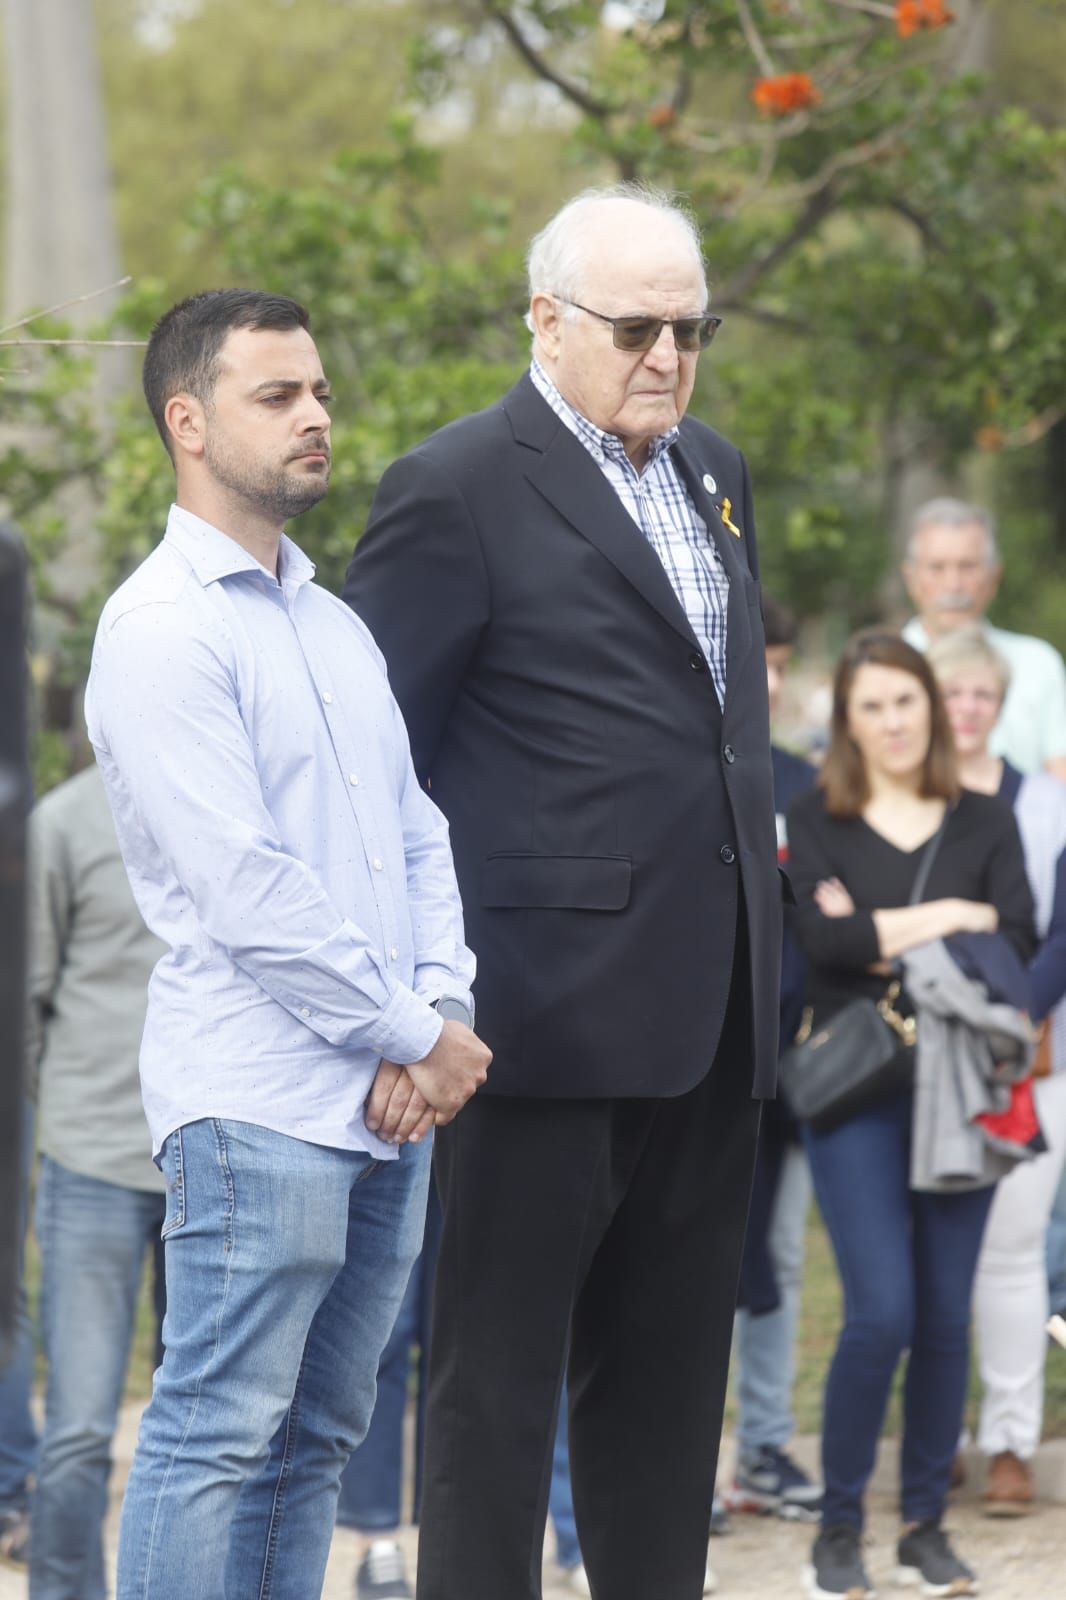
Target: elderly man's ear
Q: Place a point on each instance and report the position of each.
(547, 314)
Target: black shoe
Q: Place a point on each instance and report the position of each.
(836, 1571)
(927, 1561)
(382, 1575)
(770, 1480)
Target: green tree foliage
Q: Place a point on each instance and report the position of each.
(884, 231)
(411, 333)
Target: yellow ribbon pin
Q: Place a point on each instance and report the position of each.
(724, 511)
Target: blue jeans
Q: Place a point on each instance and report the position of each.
(766, 1345)
(1056, 1251)
(372, 1482)
(286, 1265)
(907, 1262)
(560, 1496)
(93, 1237)
(18, 1435)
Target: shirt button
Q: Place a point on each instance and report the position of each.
(353, 779)
(730, 754)
(305, 1011)
(697, 662)
(728, 854)
(394, 954)
(376, 863)
(327, 698)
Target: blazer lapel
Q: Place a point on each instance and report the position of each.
(567, 477)
(729, 546)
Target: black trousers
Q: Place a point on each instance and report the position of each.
(614, 1227)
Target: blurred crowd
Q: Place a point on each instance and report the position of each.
(937, 813)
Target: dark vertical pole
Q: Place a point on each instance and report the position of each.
(14, 802)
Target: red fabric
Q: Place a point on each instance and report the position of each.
(1019, 1124)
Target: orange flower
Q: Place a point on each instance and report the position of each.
(662, 115)
(913, 15)
(789, 91)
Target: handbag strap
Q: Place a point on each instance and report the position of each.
(929, 854)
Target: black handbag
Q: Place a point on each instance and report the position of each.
(861, 1054)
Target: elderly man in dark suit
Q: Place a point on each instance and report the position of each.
(565, 587)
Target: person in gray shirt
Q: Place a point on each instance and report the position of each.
(100, 1199)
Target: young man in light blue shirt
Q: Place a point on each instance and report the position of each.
(310, 1020)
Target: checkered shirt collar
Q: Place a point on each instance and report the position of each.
(600, 445)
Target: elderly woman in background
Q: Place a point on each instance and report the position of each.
(907, 1258)
(1011, 1301)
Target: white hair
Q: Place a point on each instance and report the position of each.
(946, 512)
(557, 258)
(968, 646)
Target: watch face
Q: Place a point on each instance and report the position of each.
(455, 1011)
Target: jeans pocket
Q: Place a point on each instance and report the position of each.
(172, 1162)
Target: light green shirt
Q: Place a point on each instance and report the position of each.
(90, 960)
(1032, 725)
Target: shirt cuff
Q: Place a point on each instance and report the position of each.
(407, 1028)
(431, 982)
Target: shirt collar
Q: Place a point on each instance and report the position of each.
(213, 555)
(600, 444)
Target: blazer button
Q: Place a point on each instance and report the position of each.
(728, 854)
(730, 754)
(697, 662)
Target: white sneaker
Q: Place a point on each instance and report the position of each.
(576, 1580)
(381, 1574)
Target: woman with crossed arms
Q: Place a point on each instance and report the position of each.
(906, 1258)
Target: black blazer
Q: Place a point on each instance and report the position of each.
(603, 811)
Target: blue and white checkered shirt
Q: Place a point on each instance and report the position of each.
(662, 509)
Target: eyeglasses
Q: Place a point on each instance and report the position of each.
(641, 333)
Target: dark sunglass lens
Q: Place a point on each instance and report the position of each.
(691, 334)
(636, 333)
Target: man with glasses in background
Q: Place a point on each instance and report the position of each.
(565, 589)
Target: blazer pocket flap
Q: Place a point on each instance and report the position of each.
(581, 883)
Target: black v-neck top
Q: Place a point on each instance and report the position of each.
(979, 858)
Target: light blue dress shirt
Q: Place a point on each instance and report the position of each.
(276, 840)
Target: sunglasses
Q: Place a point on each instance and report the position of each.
(641, 333)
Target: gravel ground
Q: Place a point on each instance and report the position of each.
(1023, 1559)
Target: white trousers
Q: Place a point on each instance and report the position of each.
(1011, 1295)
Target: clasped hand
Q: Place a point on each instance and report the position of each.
(406, 1103)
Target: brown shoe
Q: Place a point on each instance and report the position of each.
(1008, 1487)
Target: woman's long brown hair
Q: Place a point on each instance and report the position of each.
(844, 778)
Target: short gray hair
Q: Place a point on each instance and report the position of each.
(946, 512)
(556, 258)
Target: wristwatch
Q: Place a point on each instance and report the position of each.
(453, 1010)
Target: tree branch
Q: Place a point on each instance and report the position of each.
(683, 83)
(818, 207)
(871, 8)
(91, 344)
(65, 305)
(755, 40)
(599, 109)
(773, 319)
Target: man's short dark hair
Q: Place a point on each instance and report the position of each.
(183, 350)
(778, 622)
